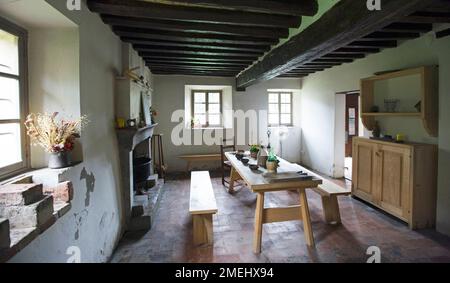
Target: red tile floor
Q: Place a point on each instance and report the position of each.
(170, 239)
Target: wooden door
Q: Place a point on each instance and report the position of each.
(363, 169)
(351, 121)
(393, 180)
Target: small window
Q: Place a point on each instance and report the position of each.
(13, 157)
(207, 109)
(280, 109)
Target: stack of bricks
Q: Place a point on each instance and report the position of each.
(27, 210)
(25, 205)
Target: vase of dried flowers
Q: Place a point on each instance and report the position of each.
(57, 137)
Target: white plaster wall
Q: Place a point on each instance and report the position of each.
(318, 108)
(54, 83)
(95, 222)
(169, 95)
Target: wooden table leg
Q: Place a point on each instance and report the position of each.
(233, 177)
(257, 238)
(306, 218)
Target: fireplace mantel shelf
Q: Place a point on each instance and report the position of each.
(129, 138)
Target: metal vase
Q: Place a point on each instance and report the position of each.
(59, 160)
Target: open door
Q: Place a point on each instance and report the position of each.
(351, 121)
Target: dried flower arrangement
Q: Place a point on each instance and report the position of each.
(54, 135)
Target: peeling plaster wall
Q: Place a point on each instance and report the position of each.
(94, 224)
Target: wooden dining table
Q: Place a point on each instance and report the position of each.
(260, 182)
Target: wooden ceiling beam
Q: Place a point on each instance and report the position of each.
(344, 56)
(141, 9)
(428, 17)
(443, 33)
(198, 51)
(299, 8)
(265, 32)
(333, 60)
(199, 68)
(206, 48)
(195, 63)
(160, 55)
(346, 21)
(162, 43)
(355, 50)
(409, 27)
(190, 37)
(373, 43)
(381, 35)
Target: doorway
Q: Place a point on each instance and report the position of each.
(351, 130)
(347, 126)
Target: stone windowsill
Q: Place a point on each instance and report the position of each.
(61, 193)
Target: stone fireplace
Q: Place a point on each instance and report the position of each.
(138, 207)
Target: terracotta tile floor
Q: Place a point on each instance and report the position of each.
(362, 226)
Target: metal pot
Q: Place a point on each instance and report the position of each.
(59, 160)
(142, 167)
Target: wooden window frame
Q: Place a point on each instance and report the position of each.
(22, 77)
(207, 92)
(291, 124)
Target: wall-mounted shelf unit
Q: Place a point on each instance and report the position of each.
(428, 96)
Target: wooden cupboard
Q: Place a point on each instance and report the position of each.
(401, 179)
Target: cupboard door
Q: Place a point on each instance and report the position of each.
(363, 170)
(393, 180)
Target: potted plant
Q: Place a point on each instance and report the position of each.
(254, 149)
(57, 137)
(272, 163)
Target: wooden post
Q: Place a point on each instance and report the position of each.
(259, 221)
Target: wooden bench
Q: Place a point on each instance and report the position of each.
(202, 206)
(329, 192)
(198, 158)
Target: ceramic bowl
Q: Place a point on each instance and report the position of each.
(254, 167)
(245, 161)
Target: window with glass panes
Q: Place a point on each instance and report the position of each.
(207, 108)
(12, 98)
(280, 109)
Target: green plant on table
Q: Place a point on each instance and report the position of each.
(272, 157)
(254, 148)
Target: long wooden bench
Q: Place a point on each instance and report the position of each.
(202, 207)
(329, 192)
(198, 158)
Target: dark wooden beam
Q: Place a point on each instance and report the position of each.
(428, 17)
(409, 27)
(335, 55)
(199, 68)
(352, 50)
(376, 36)
(214, 46)
(195, 63)
(342, 24)
(333, 60)
(299, 8)
(190, 37)
(161, 55)
(262, 32)
(141, 9)
(443, 33)
(372, 43)
(186, 73)
(198, 51)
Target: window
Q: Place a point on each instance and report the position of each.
(280, 109)
(13, 41)
(207, 109)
